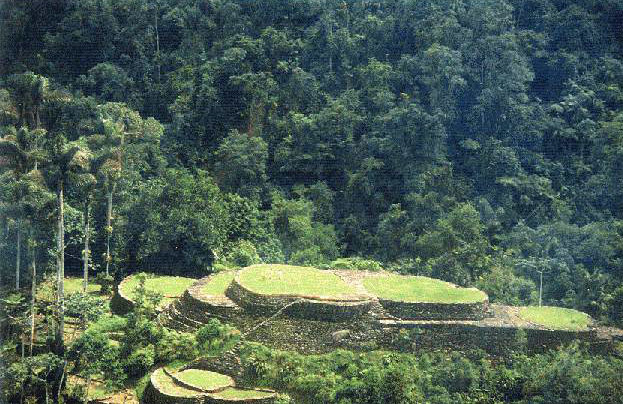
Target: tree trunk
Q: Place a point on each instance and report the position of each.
(157, 42)
(108, 231)
(85, 269)
(33, 292)
(86, 393)
(19, 254)
(60, 274)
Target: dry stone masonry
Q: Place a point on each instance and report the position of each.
(312, 324)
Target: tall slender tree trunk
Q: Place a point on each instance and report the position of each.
(156, 10)
(33, 293)
(108, 230)
(60, 274)
(18, 259)
(85, 269)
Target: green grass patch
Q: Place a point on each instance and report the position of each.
(272, 279)
(420, 289)
(168, 385)
(233, 393)
(218, 284)
(170, 287)
(204, 379)
(74, 285)
(558, 318)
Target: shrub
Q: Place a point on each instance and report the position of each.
(214, 336)
(174, 345)
(309, 257)
(243, 253)
(105, 281)
(271, 251)
(84, 306)
(356, 263)
(140, 361)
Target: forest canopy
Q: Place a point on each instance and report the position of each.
(479, 142)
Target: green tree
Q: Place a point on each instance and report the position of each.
(240, 165)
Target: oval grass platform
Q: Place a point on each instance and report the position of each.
(300, 292)
(163, 389)
(196, 386)
(423, 298)
(238, 395)
(555, 318)
(276, 279)
(170, 287)
(203, 380)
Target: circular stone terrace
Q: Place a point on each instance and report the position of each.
(423, 298)
(336, 295)
(170, 288)
(301, 292)
(195, 386)
(328, 295)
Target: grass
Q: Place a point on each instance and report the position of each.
(218, 284)
(558, 318)
(239, 394)
(270, 279)
(170, 287)
(74, 285)
(420, 289)
(167, 384)
(204, 379)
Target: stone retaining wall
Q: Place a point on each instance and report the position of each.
(155, 394)
(436, 311)
(227, 363)
(413, 337)
(266, 400)
(297, 306)
(202, 310)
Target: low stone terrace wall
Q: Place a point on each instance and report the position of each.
(307, 307)
(497, 340)
(436, 311)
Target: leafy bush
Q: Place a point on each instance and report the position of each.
(242, 254)
(109, 324)
(356, 263)
(309, 257)
(84, 306)
(174, 345)
(504, 287)
(105, 281)
(214, 337)
(140, 361)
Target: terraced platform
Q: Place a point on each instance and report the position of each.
(197, 386)
(298, 292)
(203, 300)
(170, 288)
(315, 311)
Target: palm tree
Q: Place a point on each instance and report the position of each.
(20, 153)
(28, 91)
(67, 161)
(124, 139)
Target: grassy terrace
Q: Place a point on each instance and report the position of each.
(218, 284)
(292, 280)
(558, 318)
(73, 285)
(420, 289)
(170, 287)
(168, 386)
(204, 380)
